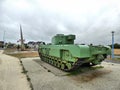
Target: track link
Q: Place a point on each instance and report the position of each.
(61, 65)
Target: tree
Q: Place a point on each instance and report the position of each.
(116, 46)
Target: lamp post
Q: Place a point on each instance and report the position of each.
(112, 44)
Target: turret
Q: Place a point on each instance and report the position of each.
(61, 39)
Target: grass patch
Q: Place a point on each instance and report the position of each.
(49, 70)
(24, 71)
(28, 79)
(97, 67)
(117, 58)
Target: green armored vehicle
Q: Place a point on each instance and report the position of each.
(64, 54)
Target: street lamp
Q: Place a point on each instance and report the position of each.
(112, 44)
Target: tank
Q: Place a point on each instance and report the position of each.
(64, 54)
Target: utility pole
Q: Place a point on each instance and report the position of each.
(112, 44)
(22, 40)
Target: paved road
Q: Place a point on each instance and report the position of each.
(107, 78)
(11, 77)
(117, 56)
(1, 48)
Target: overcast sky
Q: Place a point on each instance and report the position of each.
(90, 20)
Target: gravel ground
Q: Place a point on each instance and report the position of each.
(11, 77)
(46, 77)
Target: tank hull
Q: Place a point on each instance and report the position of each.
(70, 57)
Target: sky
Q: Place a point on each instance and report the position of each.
(90, 20)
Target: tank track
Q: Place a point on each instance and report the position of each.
(60, 63)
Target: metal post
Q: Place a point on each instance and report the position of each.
(113, 44)
(4, 38)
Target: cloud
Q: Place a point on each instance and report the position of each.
(90, 20)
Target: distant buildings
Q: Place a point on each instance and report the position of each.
(33, 45)
(10, 45)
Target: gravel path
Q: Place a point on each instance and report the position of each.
(106, 78)
(11, 77)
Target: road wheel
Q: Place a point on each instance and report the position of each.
(58, 65)
(62, 66)
(55, 63)
(52, 62)
(69, 66)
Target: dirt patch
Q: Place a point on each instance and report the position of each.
(21, 54)
(117, 51)
(89, 76)
(8, 50)
(24, 54)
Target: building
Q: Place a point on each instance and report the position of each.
(33, 45)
